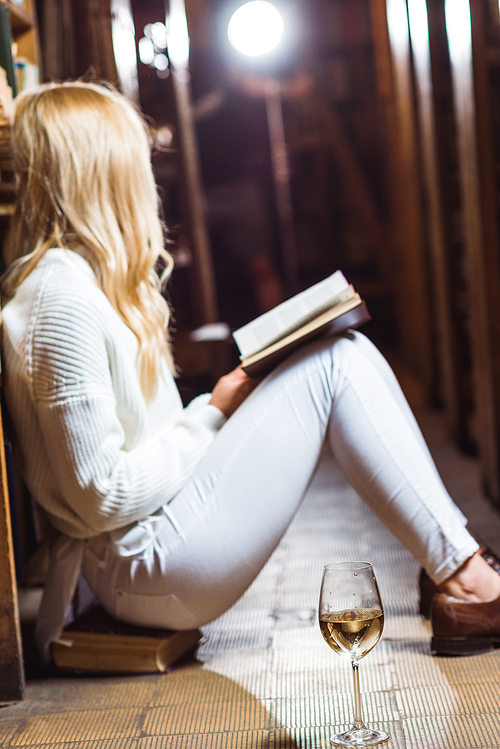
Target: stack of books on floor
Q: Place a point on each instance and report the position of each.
(97, 643)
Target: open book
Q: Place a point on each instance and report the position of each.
(329, 307)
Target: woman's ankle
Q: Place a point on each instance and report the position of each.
(474, 581)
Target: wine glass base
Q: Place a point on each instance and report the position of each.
(360, 737)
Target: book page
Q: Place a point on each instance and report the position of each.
(291, 314)
(327, 316)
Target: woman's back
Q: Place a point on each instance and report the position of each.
(67, 355)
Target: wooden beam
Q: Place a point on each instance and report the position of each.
(450, 390)
(205, 297)
(11, 659)
(357, 184)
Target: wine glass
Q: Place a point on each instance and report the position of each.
(351, 619)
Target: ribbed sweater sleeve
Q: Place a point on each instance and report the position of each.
(108, 465)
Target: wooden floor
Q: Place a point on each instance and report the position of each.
(263, 676)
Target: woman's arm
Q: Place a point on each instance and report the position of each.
(105, 487)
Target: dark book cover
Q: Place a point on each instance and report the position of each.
(353, 318)
(6, 61)
(99, 621)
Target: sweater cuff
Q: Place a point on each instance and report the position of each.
(210, 416)
(198, 402)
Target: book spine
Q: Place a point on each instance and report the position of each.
(14, 509)
(6, 60)
(105, 655)
(95, 652)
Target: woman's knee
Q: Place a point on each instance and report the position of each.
(349, 351)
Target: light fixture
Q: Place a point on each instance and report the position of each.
(152, 48)
(458, 29)
(146, 51)
(255, 28)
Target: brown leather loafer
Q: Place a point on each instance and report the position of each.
(464, 628)
(428, 588)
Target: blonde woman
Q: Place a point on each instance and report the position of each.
(172, 512)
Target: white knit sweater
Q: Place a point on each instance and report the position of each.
(96, 456)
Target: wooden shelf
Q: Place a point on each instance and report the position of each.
(24, 29)
(25, 35)
(21, 20)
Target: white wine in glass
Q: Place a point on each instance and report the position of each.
(351, 619)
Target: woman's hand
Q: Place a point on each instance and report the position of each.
(231, 390)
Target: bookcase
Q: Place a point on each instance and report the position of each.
(24, 29)
(20, 58)
(18, 24)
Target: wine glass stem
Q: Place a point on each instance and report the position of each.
(358, 720)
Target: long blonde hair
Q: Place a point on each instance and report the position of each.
(82, 156)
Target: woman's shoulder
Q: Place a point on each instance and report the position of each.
(61, 283)
(63, 273)
(62, 326)
(59, 298)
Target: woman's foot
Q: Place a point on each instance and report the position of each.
(428, 589)
(465, 616)
(474, 581)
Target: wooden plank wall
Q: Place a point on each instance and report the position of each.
(485, 53)
(468, 53)
(441, 63)
(411, 273)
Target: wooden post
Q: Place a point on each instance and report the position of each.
(11, 659)
(92, 24)
(356, 183)
(178, 52)
(394, 68)
(281, 179)
(449, 388)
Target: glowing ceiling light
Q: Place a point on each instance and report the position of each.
(255, 28)
(419, 23)
(397, 19)
(159, 35)
(161, 62)
(146, 51)
(458, 28)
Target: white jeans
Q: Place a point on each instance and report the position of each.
(196, 556)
